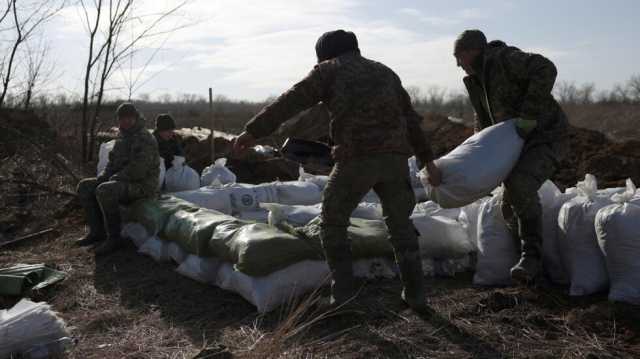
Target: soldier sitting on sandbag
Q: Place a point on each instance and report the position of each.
(505, 83)
(168, 144)
(374, 129)
(131, 174)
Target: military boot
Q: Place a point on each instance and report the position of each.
(114, 241)
(93, 216)
(530, 264)
(413, 291)
(343, 284)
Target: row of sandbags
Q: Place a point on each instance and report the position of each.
(591, 240)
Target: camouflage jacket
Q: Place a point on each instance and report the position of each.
(514, 84)
(134, 159)
(370, 111)
(168, 149)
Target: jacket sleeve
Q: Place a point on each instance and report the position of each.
(144, 153)
(304, 94)
(110, 168)
(540, 74)
(415, 134)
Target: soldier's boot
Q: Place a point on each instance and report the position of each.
(344, 287)
(96, 226)
(530, 265)
(412, 275)
(114, 241)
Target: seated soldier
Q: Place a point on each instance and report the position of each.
(131, 174)
(168, 144)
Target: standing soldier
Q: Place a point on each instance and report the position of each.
(505, 83)
(131, 174)
(168, 144)
(374, 129)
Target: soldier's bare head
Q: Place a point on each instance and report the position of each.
(335, 43)
(127, 115)
(467, 47)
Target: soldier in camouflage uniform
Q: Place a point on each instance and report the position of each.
(131, 174)
(506, 83)
(168, 144)
(374, 129)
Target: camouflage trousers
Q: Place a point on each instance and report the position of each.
(350, 180)
(521, 206)
(101, 202)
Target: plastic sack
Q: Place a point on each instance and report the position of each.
(192, 230)
(103, 160)
(320, 181)
(218, 199)
(618, 231)
(477, 166)
(413, 172)
(180, 177)
(247, 197)
(469, 218)
(153, 213)
(28, 325)
(497, 252)
(441, 237)
(298, 193)
(203, 270)
(578, 243)
(156, 249)
(218, 170)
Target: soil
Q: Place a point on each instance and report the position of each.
(126, 305)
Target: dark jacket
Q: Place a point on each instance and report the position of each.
(168, 149)
(370, 111)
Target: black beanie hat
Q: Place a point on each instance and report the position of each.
(164, 122)
(335, 43)
(127, 109)
(470, 40)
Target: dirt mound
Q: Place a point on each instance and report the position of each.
(590, 152)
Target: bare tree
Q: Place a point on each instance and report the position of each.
(109, 49)
(26, 20)
(633, 88)
(38, 70)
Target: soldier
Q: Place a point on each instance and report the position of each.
(131, 174)
(168, 144)
(506, 83)
(374, 129)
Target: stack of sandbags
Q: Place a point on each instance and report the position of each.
(476, 167)
(578, 243)
(618, 231)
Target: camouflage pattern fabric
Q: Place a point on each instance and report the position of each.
(369, 109)
(168, 149)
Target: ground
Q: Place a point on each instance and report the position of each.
(127, 306)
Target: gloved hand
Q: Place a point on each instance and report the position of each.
(524, 127)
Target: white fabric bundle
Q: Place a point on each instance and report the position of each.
(180, 177)
(618, 231)
(477, 166)
(218, 170)
(578, 242)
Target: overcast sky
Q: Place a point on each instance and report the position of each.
(254, 49)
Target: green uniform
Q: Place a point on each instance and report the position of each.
(516, 84)
(131, 173)
(374, 129)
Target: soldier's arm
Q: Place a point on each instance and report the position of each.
(144, 153)
(539, 72)
(415, 134)
(306, 93)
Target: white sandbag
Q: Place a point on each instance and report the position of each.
(413, 172)
(431, 208)
(180, 177)
(496, 248)
(294, 215)
(176, 253)
(469, 216)
(318, 180)
(259, 215)
(618, 231)
(551, 200)
(103, 160)
(578, 243)
(218, 170)
(28, 325)
(366, 210)
(218, 199)
(420, 194)
(247, 197)
(156, 249)
(298, 193)
(136, 232)
(441, 237)
(203, 270)
(477, 166)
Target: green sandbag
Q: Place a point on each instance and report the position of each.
(259, 249)
(153, 213)
(369, 238)
(192, 230)
(23, 278)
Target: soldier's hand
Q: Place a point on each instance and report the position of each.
(434, 176)
(242, 143)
